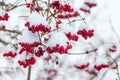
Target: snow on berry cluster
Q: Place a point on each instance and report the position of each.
(9, 52)
(28, 47)
(57, 42)
(65, 11)
(38, 24)
(61, 9)
(44, 33)
(93, 68)
(32, 50)
(27, 62)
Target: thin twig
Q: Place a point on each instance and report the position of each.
(29, 72)
(94, 50)
(12, 31)
(3, 42)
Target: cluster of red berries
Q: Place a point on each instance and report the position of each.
(39, 52)
(83, 66)
(69, 15)
(36, 28)
(73, 37)
(113, 49)
(85, 34)
(99, 67)
(35, 44)
(33, 49)
(55, 5)
(59, 49)
(88, 4)
(28, 47)
(66, 8)
(63, 8)
(96, 67)
(4, 17)
(27, 62)
(10, 54)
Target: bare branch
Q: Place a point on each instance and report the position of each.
(12, 31)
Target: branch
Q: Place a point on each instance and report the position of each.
(29, 73)
(4, 42)
(94, 50)
(117, 66)
(12, 31)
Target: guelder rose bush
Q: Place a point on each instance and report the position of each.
(47, 37)
(51, 29)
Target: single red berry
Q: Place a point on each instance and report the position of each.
(28, 5)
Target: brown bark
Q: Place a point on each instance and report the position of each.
(29, 72)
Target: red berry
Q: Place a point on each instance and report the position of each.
(28, 5)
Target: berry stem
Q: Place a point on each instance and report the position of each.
(29, 72)
(94, 50)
